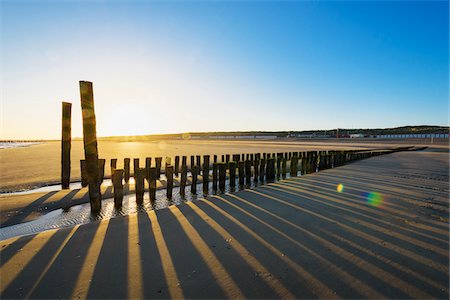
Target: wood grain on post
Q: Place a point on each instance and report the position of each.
(90, 144)
(215, 176)
(66, 138)
(84, 180)
(194, 172)
(183, 179)
(177, 166)
(158, 162)
(222, 176)
(126, 169)
(113, 166)
(169, 175)
(139, 177)
(148, 165)
(248, 172)
(241, 172)
(152, 177)
(232, 170)
(118, 187)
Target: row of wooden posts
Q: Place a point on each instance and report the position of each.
(249, 167)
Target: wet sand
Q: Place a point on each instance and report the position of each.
(384, 236)
(39, 165)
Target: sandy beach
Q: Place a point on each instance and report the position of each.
(384, 235)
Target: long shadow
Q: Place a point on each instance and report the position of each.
(252, 285)
(363, 269)
(21, 285)
(110, 276)
(9, 251)
(191, 268)
(352, 202)
(362, 235)
(71, 259)
(154, 282)
(22, 214)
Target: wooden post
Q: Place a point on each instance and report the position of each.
(248, 172)
(227, 158)
(278, 167)
(169, 175)
(242, 158)
(270, 170)
(283, 167)
(126, 169)
(194, 172)
(199, 163)
(192, 162)
(184, 160)
(215, 159)
(118, 187)
(256, 170)
(258, 156)
(241, 171)
(135, 166)
(152, 176)
(223, 158)
(65, 144)
(262, 169)
(101, 170)
(90, 144)
(294, 162)
(158, 162)
(139, 177)
(222, 176)
(205, 174)
(236, 157)
(183, 179)
(215, 170)
(113, 165)
(84, 182)
(232, 170)
(251, 157)
(177, 166)
(148, 165)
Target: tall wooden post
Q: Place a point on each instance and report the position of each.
(183, 179)
(283, 167)
(194, 173)
(184, 161)
(262, 169)
(177, 166)
(65, 144)
(222, 176)
(139, 177)
(205, 174)
(90, 144)
(199, 163)
(270, 170)
(278, 167)
(214, 176)
(241, 172)
(158, 166)
(232, 169)
(135, 166)
(248, 172)
(152, 176)
(192, 162)
(255, 170)
(148, 164)
(113, 165)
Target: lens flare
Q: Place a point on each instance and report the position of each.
(340, 188)
(374, 199)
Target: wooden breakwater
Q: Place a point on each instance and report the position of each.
(245, 170)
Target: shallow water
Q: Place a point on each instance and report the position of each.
(81, 214)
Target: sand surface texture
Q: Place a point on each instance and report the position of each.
(385, 235)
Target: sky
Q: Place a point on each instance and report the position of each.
(185, 66)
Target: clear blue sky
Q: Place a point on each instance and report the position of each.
(178, 66)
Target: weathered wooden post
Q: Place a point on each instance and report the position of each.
(113, 165)
(278, 167)
(227, 158)
(101, 170)
(192, 162)
(205, 174)
(242, 157)
(183, 179)
(194, 172)
(135, 166)
(264, 155)
(139, 177)
(251, 157)
(118, 187)
(152, 176)
(177, 166)
(241, 171)
(199, 164)
(236, 157)
(84, 181)
(66, 138)
(148, 165)
(184, 161)
(232, 170)
(223, 158)
(169, 176)
(256, 170)
(126, 169)
(258, 156)
(214, 173)
(90, 144)
(222, 176)
(248, 172)
(283, 167)
(270, 170)
(262, 169)
(158, 162)
(294, 163)
(215, 159)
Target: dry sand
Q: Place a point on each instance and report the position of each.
(38, 165)
(298, 238)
